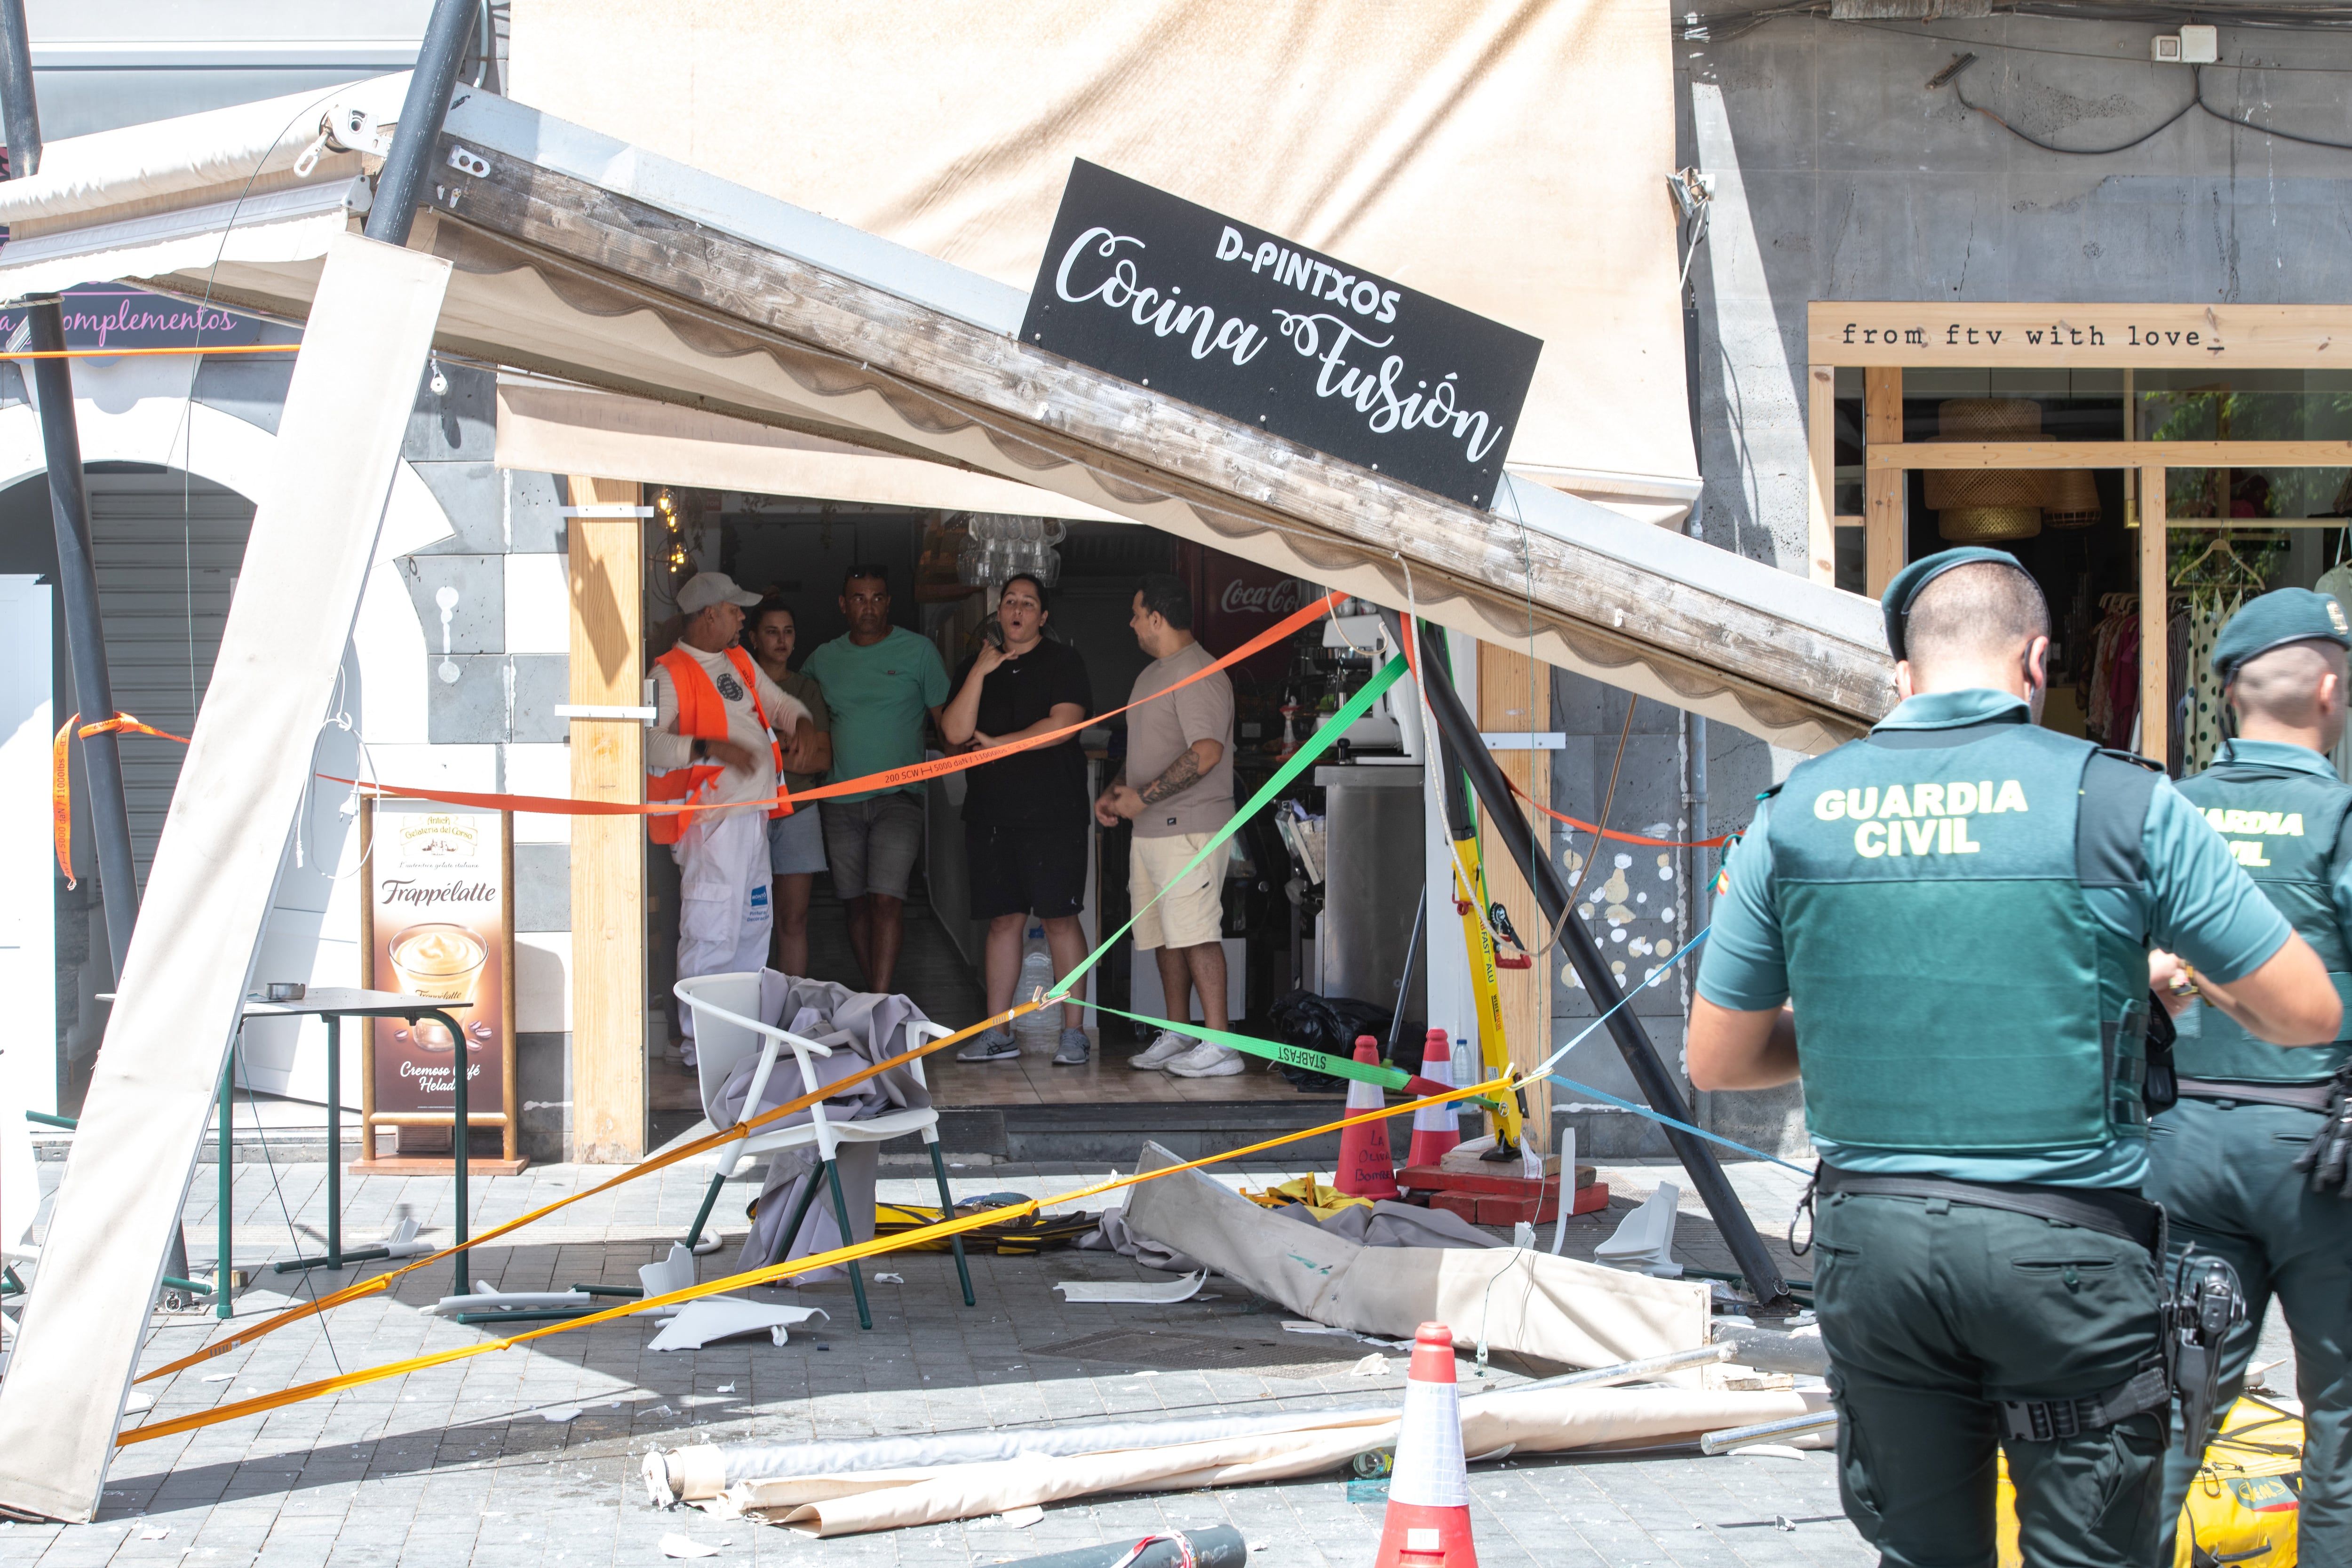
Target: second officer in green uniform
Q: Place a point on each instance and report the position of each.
(1959, 911)
(2222, 1162)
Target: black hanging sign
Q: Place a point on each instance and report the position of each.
(1159, 291)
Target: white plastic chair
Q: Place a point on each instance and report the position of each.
(725, 1009)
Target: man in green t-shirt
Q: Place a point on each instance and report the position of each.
(879, 681)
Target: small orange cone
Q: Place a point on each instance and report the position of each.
(1428, 1524)
(1435, 1127)
(1365, 1171)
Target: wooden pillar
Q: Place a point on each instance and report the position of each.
(1820, 473)
(2155, 637)
(1505, 707)
(609, 1106)
(1885, 536)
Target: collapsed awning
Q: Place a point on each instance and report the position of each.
(598, 264)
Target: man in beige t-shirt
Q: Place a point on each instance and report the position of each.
(1179, 751)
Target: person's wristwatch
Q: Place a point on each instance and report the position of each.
(702, 750)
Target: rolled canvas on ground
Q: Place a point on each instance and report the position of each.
(1512, 1298)
(182, 990)
(853, 1501)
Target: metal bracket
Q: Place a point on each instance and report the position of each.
(1526, 740)
(614, 511)
(605, 710)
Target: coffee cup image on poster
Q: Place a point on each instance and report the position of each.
(1170, 295)
(437, 898)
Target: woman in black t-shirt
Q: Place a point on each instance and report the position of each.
(1025, 816)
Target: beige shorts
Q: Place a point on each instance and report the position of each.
(1194, 912)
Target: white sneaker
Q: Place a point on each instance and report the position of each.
(1208, 1061)
(1164, 1050)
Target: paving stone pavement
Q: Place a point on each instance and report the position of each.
(481, 1461)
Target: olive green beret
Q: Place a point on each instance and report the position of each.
(2282, 617)
(1896, 601)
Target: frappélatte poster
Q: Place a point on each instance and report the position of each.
(438, 928)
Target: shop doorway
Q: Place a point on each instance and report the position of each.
(799, 551)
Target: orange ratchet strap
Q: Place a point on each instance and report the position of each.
(768, 1275)
(62, 776)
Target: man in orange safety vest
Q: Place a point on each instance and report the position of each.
(714, 743)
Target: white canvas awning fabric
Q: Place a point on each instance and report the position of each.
(181, 998)
(727, 331)
(852, 1501)
(1433, 143)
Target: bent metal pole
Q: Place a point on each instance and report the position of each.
(52, 388)
(1460, 748)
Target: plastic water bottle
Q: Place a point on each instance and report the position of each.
(1045, 1025)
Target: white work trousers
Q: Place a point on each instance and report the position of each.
(724, 913)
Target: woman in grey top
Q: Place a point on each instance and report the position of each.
(796, 843)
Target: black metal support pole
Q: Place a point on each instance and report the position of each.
(19, 110)
(408, 168)
(1461, 750)
(102, 754)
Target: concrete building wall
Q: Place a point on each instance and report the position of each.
(1839, 174)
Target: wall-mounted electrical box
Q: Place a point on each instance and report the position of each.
(2196, 43)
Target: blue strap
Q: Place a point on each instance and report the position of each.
(1656, 1116)
(1544, 1070)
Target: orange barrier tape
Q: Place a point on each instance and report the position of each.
(375, 1284)
(1596, 828)
(764, 1276)
(889, 779)
(62, 776)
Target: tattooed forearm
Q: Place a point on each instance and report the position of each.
(1183, 774)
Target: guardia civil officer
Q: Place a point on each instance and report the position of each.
(2222, 1162)
(1959, 911)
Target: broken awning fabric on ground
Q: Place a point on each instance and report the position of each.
(925, 1484)
(584, 260)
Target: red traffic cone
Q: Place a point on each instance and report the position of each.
(1435, 1127)
(1428, 1524)
(1365, 1171)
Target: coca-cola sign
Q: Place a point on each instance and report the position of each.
(1168, 294)
(1270, 600)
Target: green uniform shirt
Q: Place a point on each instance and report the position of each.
(879, 696)
(2194, 900)
(2303, 760)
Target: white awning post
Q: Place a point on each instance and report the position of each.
(314, 535)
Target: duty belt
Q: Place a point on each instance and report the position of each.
(2300, 1096)
(2117, 1213)
(2110, 1209)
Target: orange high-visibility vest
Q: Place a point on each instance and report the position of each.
(702, 716)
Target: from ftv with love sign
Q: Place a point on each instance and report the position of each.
(1166, 293)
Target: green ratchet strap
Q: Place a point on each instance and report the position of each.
(1394, 1079)
(1355, 708)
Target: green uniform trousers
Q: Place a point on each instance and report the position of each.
(2225, 1176)
(1931, 1311)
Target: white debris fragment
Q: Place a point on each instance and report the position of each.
(1120, 1292)
(677, 1545)
(1373, 1365)
(890, 1280)
(560, 1415)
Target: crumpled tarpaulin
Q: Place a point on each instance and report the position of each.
(843, 1488)
(877, 1026)
(1509, 1298)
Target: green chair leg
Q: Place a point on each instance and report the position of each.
(783, 1246)
(841, 1212)
(947, 1211)
(702, 1216)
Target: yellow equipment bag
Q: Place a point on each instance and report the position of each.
(2242, 1507)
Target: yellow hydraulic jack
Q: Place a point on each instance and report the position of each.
(1508, 1113)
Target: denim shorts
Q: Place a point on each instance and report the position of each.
(796, 843)
(871, 844)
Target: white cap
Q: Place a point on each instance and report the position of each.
(705, 589)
